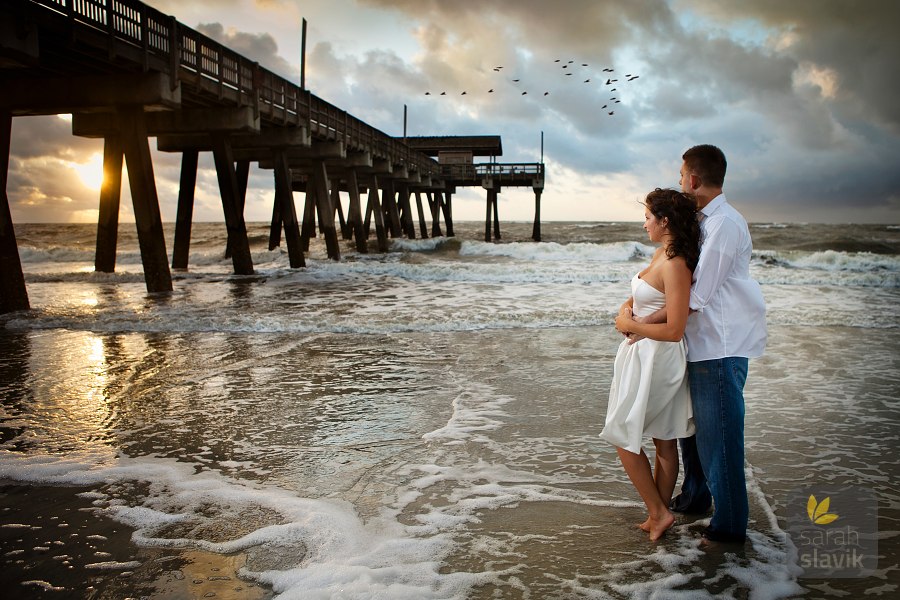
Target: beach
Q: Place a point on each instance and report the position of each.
(420, 424)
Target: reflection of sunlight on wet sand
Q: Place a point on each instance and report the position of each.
(75, 402)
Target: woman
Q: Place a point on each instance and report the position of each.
(649, 393)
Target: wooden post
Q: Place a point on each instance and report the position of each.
(325, 210)
(389, 203)
(536, 230)
(496, 215)
(185, 216)
(448, 213)
(285, 196)
(242, 172)
(110, 197)
(231, 205)
(133, 129)
(407, 219)
(275, 227)
(487, 217)
(434, 202)
(374, 208)
(13, 295)
(336, 201)
(423, 228)
(354, 215)
(308, 226)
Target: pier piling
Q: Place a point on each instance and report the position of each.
(145, 199)
(184, 216)
(13, 295)
(110, 199)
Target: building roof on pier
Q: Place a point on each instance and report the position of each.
(478, 145)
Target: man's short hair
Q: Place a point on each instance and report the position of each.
(708, 163)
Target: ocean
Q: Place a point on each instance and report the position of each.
(417, 424)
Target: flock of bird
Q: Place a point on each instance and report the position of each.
(569, 68)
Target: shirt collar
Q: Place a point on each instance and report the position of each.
(713, 205)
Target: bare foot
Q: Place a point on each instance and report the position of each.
(658, 527)
(645, 526)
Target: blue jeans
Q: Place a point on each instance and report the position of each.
(717, 397)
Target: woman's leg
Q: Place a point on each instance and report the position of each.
(666, 472)
(637, 466)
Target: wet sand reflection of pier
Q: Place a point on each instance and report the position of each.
(127, 72)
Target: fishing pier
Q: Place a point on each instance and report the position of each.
(127, 72)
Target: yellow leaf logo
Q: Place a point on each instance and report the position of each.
(818, 511)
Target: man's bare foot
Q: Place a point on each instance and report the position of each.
(658, 527)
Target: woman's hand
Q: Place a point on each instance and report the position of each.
(624, 321)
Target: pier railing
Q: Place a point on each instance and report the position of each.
(515, 174)
(229, 77)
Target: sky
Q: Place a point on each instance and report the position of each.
(801, 95)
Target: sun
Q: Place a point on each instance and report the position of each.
(91, 171)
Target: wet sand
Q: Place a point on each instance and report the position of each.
(54, 543)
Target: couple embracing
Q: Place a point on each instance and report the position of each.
(693, 320)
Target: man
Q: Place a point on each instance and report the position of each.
(727, 327)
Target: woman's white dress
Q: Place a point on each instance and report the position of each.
(649, 395)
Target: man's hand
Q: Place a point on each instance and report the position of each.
(634, 337)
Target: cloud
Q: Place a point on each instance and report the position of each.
(800, 94)
(260, 47)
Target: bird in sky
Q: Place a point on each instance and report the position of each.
(463, 94)
(587, 80)
(608, 81)
(523, 93)
(443, 93)
(515, 81)
(427, 93)
(612, 112)
(612, 90)
(602, 107)
(491, 91)
(546, 93)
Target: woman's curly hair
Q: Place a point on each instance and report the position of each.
(681, 211)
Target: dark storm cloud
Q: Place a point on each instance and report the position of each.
(858, 40)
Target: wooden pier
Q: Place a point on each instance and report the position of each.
(127, 72)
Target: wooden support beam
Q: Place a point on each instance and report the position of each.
(423, 228)
(496, 214)
(435, 203)
(285, 198)
(536, 230)
(308, 227)
(145, 199)
(354, 213)
(185, 216)
(336, 202)
(374, 208)
(52, 96)
(13, 295)
(184, 124)
(242, 171)
(110, 198)
(448, 212)
(231, 205)
(275, 226)
(325, 211)
(407, 223)
(487, 218)
(389, 204)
